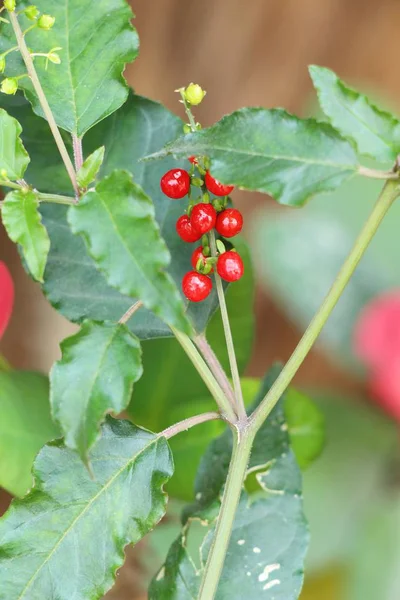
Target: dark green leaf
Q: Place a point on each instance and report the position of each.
(95, 46)
(373, 131)
(13, 157)
(95, 375)
(269, 537)
(66, 539)
(91, 166)
(25, 426)
(306, 427)
(23, 223)
(272, 151)
(117, 223)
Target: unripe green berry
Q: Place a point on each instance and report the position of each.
(194, 94)
(187, 128)
(9, 5)
(46, 22)
(2, 63)
(9, 86)
(31, 12)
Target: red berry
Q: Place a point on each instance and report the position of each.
(6, 297)
(230, 266)
(196, 286)
(229, 222)
(185, 230)
(193, 160)
(175, 183)
(215, 187)
(203, 217)
(197, 255)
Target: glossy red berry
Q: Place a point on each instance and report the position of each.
(230, 266)
(198, 255)
(175, 183)
(184, 229)
(203, 217)
(215, 187)
(229, 222)
(193, 160)
(196, 286)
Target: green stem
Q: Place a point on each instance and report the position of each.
(230, 500)
(389, 194)
(202, 368)
(215, 366)
(188, 111)
(240, 407)
(43, 100)
(189, 423)
(10, 184)
(55, 198)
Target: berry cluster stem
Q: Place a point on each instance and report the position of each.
(215, 366)
(239, 402)
(43, 100)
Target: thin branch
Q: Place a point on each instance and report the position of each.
(215, 366)
(239, 402)
(203, 370)
(189, 423)
(78, 152)
(373, 174)
(43, 100)
(130, 312)
(10, 184)
(55, 198)
(388, 195)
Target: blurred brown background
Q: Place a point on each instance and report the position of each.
(243, 52)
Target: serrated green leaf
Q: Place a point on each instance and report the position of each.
(23, 223)
(25, 426)
(118, 225)
(306, 427)
(373, 131)
(95, 375)
(87, 85)
(13, 157)
(272, 151)
(66, 539)
(269, 537)
(91, 166)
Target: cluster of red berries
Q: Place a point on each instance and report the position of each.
(198, 221)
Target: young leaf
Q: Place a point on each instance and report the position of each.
(269, 537)
(13, 157)
(23, 223)
(88, 171)
(306, 427)
(25, 426)
(88, 84)
(66, 538)
(271, 151)
(118, 226)
(95, 375)
(373, 131)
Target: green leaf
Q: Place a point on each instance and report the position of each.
(66, 539)
(88, 84)
(25, 426)
(117, 223)
(373, 131)
(272, 151)
(306, 427)
(23, 223)
(95, 375)
(13, 157)
(269, 537)
(91, 166)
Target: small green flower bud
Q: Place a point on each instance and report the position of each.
(9, 5)
(2, 63)
(196, 181)
(9, 86)
(194, 94)
(31, 12)
(54, 58)
(207, 163)
(4, 174)
(206, 197)
(187, 128)
(46, 22)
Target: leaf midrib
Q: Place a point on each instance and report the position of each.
(133, 459)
